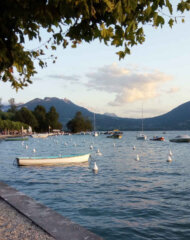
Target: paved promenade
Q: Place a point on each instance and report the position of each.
(14, 226)
(22, 218)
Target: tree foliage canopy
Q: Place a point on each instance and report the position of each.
(116, 22)
(79, 123)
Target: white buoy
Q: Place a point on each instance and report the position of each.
(65, 144)
(114, 144)
(170, 153)
(91, 147)
(34, 150)
(26, 146)
(134, 147)
(137, 158)
(95, 168)
(169, 158)
(99, 153)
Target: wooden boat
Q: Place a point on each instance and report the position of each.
(52, 160)
(180, 139)
(16, 139)
(156, 138)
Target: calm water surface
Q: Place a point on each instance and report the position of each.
(127, 199)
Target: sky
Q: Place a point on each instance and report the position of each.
(155, 75)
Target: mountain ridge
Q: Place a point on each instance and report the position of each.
(176, 119)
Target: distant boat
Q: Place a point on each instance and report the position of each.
(156, 138)
(16, 139)
(180, 139)
(52, 160)
(95, 134)
(116, 134)
(142, 136)
(40, 135)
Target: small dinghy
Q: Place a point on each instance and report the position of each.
(52, 160)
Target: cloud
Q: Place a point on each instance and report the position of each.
(127, 85)
(71, 78)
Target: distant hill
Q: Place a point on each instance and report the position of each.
(177, 119)
(110, 114)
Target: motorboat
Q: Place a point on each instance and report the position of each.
(156, 138)
(116, 134)
(181, 138)
(52, 160)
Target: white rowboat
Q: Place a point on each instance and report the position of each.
(52, 160)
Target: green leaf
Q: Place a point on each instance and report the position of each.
(168, 4)
(171, 22)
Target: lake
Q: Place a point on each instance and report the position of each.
(126, 199)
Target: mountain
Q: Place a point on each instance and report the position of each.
(176, 119)
(110, 114)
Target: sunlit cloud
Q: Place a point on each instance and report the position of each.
(128, 85)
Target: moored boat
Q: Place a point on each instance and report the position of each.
(52, 160)
(116, 134)
(40, 135)
(156, 138)
(141, 137)
(180, 139)
(16, 139)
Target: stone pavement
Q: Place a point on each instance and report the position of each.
(14, 226)
(22, 218)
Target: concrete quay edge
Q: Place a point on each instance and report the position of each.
(53, 223)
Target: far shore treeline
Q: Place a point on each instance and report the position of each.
(39, 120)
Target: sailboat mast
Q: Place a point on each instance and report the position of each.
(94, 123)
(142, 118)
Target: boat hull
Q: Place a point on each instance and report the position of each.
(180, 140)
(158, 139)
(16, 139)
(40, 135)
(142, 137)
(115, 136)
(48, 161)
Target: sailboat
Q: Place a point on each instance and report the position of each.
(95, 134)
(142, 136)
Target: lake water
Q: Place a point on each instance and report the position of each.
(126, 199)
